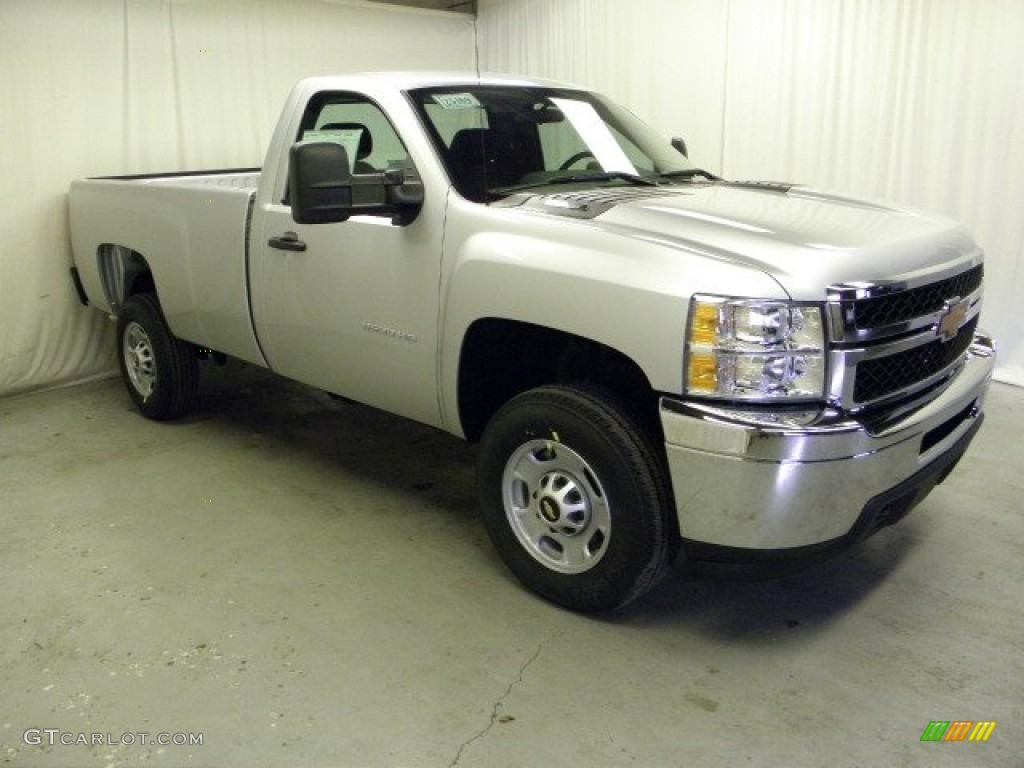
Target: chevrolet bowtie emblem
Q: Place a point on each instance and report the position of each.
(952, 318)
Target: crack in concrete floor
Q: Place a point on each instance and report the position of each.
(501, 699)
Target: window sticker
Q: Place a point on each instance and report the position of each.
(347, 137)
(456, 100)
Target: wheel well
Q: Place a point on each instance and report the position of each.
(501, 358)
(123, 273)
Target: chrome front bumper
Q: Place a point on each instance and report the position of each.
(785, 480)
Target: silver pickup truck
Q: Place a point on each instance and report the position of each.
(654, 360)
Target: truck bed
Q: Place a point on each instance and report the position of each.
(192, 229)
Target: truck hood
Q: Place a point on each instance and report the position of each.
(806, 239)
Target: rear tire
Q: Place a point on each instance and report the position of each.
(160, 371)
(575, 498)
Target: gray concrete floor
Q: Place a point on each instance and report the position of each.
(305, 583)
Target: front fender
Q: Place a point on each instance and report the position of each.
(623, 292)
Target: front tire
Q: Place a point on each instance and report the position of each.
(575, 499)
(161, 372)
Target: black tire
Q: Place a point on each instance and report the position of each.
(160, 371)
(575, 499)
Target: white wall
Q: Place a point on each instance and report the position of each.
(920, 101)
(104, 87)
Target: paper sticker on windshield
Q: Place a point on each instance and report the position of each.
(456, 100)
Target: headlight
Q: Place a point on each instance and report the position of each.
(747, 349)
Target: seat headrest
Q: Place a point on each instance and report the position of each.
(365, 139)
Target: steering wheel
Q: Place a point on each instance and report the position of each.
(575, 159)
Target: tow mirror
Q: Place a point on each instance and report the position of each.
(322, 188)
(319, 183)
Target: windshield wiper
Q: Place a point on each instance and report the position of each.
(571, 178)
(689, 173)
(632, 178)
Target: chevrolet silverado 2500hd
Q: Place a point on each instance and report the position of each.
(651, 358)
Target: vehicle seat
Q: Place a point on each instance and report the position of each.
(480, 158)
(359, 164)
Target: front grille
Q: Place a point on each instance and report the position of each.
(889, 375)
(887, 337)
(906, 305)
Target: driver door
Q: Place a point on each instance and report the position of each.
(355, 311)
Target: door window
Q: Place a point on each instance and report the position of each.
(357, 124)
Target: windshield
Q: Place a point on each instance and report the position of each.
(496, 139)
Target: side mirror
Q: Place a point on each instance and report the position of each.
(403, 191)
(319, 183)
(679, 146)
(322, 188)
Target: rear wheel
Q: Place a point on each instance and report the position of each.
(160, 371)
(575, 499)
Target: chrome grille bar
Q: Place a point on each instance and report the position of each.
(894, 340)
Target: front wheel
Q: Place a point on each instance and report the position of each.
(575, 499)
(160, 371)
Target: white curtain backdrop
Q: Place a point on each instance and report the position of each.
(105, 87)
(913, 100)
(918, 101)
